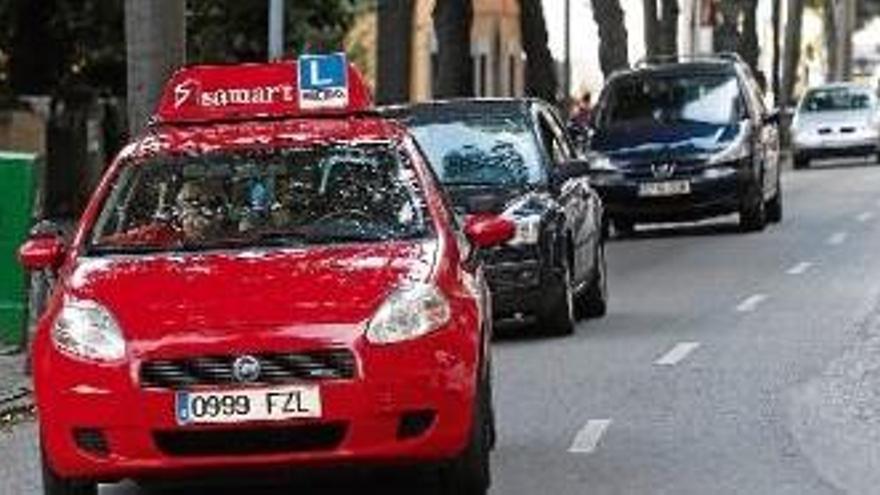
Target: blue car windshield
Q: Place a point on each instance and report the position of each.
(712, 99)
(482, 149)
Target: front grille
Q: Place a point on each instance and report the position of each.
(274, 369)
(681, 170)
(276, 440)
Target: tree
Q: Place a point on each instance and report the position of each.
(669, 26)
(155, 38)
(792, 52)
(613, 53)
(661, 32)
(651, 28)
(220, 31)
(738, 30)
(394, 50)
(540, 73)
(79, 43)
(452, 25)
(748, 46)
(777, 55)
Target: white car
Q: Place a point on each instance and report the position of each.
(836, 120)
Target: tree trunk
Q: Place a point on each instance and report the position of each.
(394, 51)
(651, 26)
(777, 56)
(830, 25)
(452, 24)
(748, 40)
(669, 27)
(155, 37)
(540, 71)
(792, 52)
(613, 53)
(726, 36)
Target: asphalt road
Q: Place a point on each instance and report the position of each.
(729, 363)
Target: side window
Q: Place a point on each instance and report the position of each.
(551, 140)
(561, 134)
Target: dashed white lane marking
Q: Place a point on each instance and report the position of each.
(587, 439)
(837, 238)
(751, 303)
(800, 268)
(865, 217)
(677, 353)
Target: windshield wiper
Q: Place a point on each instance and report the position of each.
(103, 250)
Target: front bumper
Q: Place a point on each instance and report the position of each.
(836, 143)
(708, 197)
(515, 276)
(360, 425)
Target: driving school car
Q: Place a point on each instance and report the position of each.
(267, 278)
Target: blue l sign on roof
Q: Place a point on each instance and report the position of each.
(323, 81)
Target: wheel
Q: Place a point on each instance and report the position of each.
(801, 162)
(752, 212)
(53, 484)
(593, 303)
(624, 228)
(557, 316)
(470, 472)
(774, 206)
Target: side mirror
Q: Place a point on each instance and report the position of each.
(773, 117)
(486, 231)
(42, 252)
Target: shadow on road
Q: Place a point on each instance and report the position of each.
(397, 483)
(701, 229)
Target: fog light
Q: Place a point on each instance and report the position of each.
(414, 424)
(92, 441)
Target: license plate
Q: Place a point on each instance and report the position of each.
(239, 406)
(668, 188)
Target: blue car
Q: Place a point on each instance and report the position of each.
(685, 141)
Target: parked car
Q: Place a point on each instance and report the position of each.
(836, 120)
(265, 280)
(686, 140)
(514, 158)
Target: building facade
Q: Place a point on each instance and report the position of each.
(496, 48)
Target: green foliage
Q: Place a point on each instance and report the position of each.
(230, 31)
(51, 45)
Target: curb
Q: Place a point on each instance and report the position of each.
(15, 404)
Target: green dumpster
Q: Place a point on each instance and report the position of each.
(18, 173)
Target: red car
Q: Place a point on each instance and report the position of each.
(268, 278)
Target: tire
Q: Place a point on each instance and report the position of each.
(801, 162)
(753, 211)
(53, 484)
(624, 228)
(593, 303)
(470, 473)
(557, 316)
(774, 206)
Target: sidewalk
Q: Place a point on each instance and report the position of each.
(15, 387)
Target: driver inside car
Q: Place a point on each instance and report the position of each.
(199, 217)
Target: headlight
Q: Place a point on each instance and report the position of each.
(88, 330)
(409, 313)
(601, 163)
(528, 230)
(737, 150)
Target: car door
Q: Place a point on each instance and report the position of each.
(766, 136)
(576, 198)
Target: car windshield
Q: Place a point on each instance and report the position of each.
(836, 99)
(323, 195)
(696, 99)
(490, 148)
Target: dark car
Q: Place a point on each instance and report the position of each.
(685, 141)
(513, 157)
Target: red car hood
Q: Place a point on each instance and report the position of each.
(154, 296)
